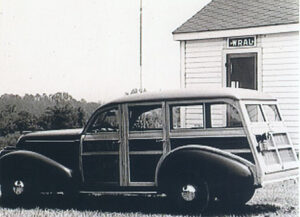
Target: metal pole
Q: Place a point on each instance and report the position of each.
(141, 48)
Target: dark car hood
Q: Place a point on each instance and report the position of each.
(62, 146)
(69, 134)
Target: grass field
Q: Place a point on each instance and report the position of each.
(280, 199)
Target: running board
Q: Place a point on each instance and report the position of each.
(124, 193)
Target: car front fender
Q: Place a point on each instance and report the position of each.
(41, 169)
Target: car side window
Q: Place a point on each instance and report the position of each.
(221, 115)
(106, 121)
(187, 116)
(144, 118)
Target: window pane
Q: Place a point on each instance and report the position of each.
(145, 118)
(271, 158)
(281, 139)
(254, 112)
(218, 115)
(272, 113)
(222, 115)
(106, 121)
(187, 116)
(287, 155)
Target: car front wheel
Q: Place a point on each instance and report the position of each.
(17, 189)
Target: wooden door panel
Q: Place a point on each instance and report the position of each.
(106, 171)
(143, 167)
(145, 142)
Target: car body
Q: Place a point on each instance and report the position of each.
(191, 145)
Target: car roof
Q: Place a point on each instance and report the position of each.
(200, 93)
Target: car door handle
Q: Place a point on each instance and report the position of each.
(160, 140)
(116, 142)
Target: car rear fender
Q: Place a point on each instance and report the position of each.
(41, 169)
(217, 166)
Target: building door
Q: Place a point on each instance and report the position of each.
(242, 70)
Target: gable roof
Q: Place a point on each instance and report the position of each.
(236, 14)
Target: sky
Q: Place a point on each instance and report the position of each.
(90, 48)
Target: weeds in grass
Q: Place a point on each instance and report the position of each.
(279, 199)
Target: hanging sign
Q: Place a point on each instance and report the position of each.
(241, 42)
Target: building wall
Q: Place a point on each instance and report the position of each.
(202, 63)
(280, 75)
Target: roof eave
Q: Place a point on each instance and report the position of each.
(182, 36)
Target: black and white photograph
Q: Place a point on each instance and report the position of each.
(146, 108)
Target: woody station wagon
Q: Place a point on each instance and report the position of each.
(194, 146)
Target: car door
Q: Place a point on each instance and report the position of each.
(101, 149)
(145, 141)
(274, 150)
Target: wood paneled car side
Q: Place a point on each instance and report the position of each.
(191, 145)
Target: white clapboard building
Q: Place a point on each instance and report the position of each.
(247, 44)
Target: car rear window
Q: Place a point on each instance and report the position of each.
(271, 112)
(255, 113)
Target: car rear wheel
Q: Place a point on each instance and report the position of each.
(190, 194)
(240, 198)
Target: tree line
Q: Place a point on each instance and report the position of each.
(41, 112)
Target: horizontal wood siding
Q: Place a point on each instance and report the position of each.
(203, 67)
(203, 63)
(280, 75)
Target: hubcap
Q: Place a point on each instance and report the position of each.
(18, 187)
(188, 192)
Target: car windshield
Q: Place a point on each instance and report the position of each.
(262, 113)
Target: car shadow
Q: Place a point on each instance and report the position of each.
(141, 204)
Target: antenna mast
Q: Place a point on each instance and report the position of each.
(141, 48)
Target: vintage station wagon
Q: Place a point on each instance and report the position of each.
(194, 146)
